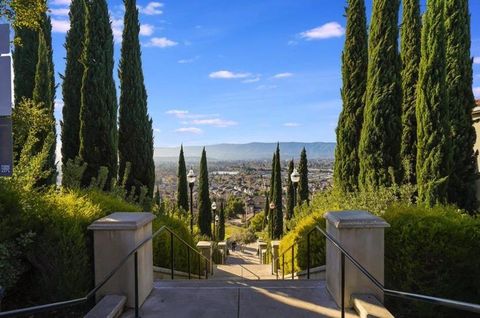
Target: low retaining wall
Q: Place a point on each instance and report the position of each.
(162, 273)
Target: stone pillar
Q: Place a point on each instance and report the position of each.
(205, 248)
(261, 246)
(222, 247)
(275, 254)
(361, 234)
(115, 236)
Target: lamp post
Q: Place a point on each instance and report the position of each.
(272, 208)
(217, 220)
(295, 177)
(214, 218)
(191, 177)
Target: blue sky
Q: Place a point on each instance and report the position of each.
(239, 71)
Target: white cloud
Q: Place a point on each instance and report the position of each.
(146, 29)
(228, 75)
(58, 104)
(217, 122)
(161, 42)
(283, 75)
(63, 12)
(476, 60)
(190, 130)
(326, 31)
(476, 92)
(177, 113)
(157, 130)
(252, 80)
(187, 61)
(152, 8)
(291, 124)
(61, 2)
(60, 26)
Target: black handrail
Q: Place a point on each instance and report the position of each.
(78, 301)
(390, 292)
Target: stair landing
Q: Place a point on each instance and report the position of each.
(235, 299)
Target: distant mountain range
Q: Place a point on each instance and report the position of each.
(250, 151)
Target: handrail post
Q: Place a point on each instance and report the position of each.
(283, 266)
(308, 255)
(293, 261)
(343, 284)
(171, 255)
(188, 261)
(137, 315)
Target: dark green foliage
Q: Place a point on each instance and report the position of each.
(221, 223)
(268, 211)
(157, 198)
(354, 77)
(461, 184)
(303, 193)
(72, 85)
(277, 198)
(135, 134)
(235, 206)
(204, 203)
(381, 132)
(98, 111)
(25, 63)
(182, 184)
(44, 95)
(410, 53)
(290, 192)
(434, 148)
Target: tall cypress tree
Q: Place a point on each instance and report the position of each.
(381, 132)
(221, 223)
(303, 193)
(204, 203)
(434, 149)
(44, 94)
(290, 192)
(135, 134)
(71, 86)
(98, 111)
(277, 197)
(182, 184)
(272, 177)
(354, 77)
(461, 185)
(410, 54)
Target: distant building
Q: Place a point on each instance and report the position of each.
(476, 124)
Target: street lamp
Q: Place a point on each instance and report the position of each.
(191, 177)
(295, 177)
(272, 207)
(214, 207)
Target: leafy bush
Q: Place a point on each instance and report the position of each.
(432, 251)
(256, 223)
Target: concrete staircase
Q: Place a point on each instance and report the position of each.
(234, 298)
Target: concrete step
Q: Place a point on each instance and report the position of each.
(243, 271)
(248, 299)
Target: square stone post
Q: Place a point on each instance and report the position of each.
(205, 248)
(115, 236)
(222, 246)
(261, 246)
(275, 254)
(361, 234)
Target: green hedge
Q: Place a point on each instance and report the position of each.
(55, 254)
(429, 251)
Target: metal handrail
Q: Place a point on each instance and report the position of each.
(395, 293)
(82, 300)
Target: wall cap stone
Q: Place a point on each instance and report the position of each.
(122, 221)
(204, 244)
(275, 243)
(355, 219)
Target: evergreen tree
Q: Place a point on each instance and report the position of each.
(44, 95)
(290, 192)
(268, 213)
(461, 184)
(72, 85)
(98, 110)
(277, 197)
(434, 149)
(182, 184)
(381, 131)
(303, 193)
(354, 77)
(272, 177)
(410, 55)
(221, 223)
(204, 203)
(157, 198)
(135, 134)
